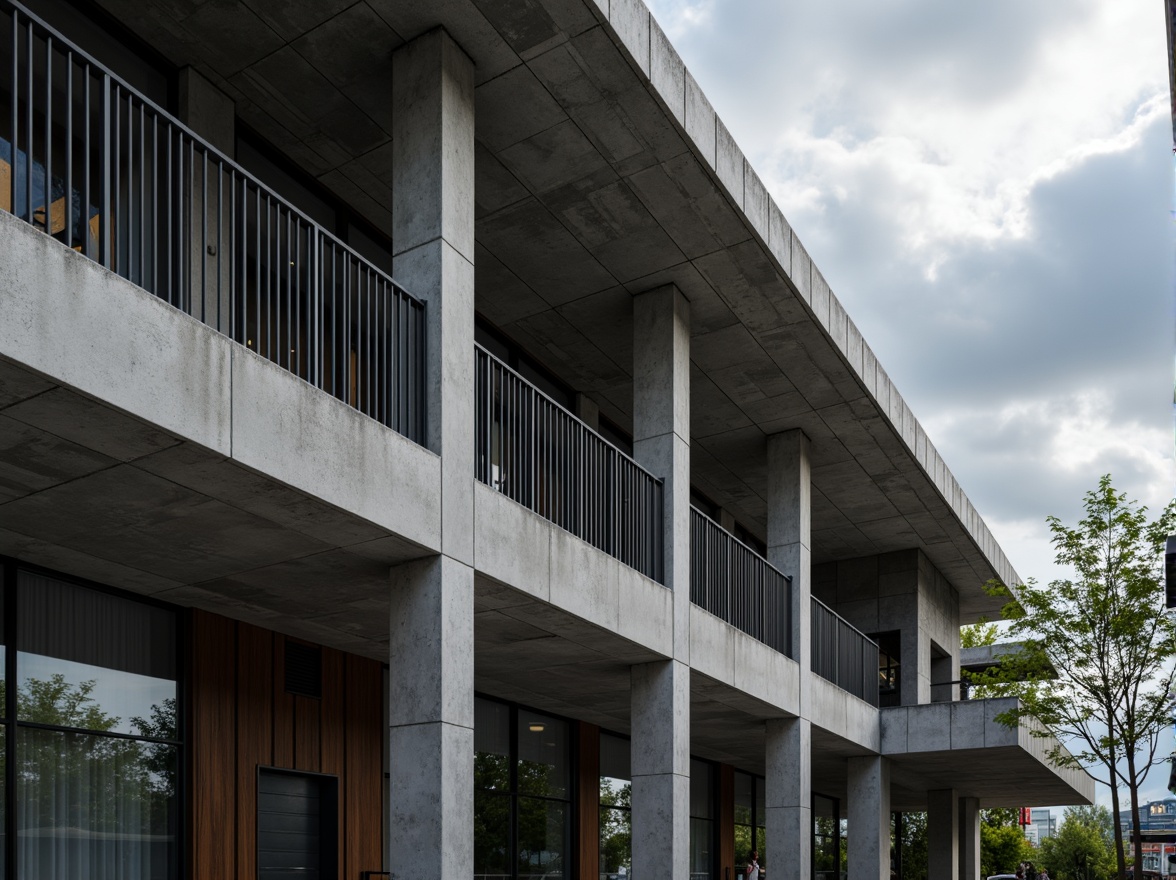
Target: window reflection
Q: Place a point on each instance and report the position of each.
(616, 823)
(94, 806)
(522, 781)
(94, 661)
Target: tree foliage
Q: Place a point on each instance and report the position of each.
(1083, 848)
(1097, 658)
(1002, 842)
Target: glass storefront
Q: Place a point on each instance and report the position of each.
(522, 793)
(750, 820)
(90, 725)
(616, 817)
(702, 820)
(830, 855)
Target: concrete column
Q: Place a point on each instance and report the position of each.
(661, 431)
(943, 834)
(433, 251)
(790, 536)
(868, 812)
(661, 690)
(789, 799)
(969, 838)
(431, 719)
(431, 700)
(661, 769)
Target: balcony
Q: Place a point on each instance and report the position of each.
(97, 166)
(736, 584)
(843, 654)
(537, 453)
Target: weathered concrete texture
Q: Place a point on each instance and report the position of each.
(943, 834)
(789, 797)
(207, 110)
(901, 592)
(840, 713)
(519, 548)
(433, 238)
(661, 435)
(962, 745)
(146, 451)
(661, 768)
(789, 492)
(603, 166)
(723, 653)
(868, 802)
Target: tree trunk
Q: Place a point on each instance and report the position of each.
(1136, 838)
(1121, 858)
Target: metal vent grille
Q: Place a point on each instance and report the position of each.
(304, 670)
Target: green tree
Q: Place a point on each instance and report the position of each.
(616, 826)
(1002, 843)
(1083, 847)
(914, 846)
(1106, 638)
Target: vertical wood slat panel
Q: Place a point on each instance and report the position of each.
(364, 788)
(213, 745)
(307, 734)
(334, 728)
(727, 821)
(255, 678)
(283, 726)
(588, 831)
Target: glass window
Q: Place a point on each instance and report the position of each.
(87, 803)
(750, 820)
(616, 791)
(829, 845)
(543, 755)
(94, 661)
(702, 826)
(522, 792)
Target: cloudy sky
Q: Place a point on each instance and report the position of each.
(988, 189)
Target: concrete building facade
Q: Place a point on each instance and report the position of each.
(488, 480)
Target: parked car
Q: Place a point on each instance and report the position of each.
(1002, 877)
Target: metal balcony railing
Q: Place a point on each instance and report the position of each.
(736, 584)
(100, 168)
(843, 654)
(536, 452)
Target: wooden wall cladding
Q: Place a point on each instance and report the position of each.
(588, 828)
(241, 718)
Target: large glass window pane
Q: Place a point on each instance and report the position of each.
(744, 805)
(702, 831)
(98, 807)
(826, 838)
(543, 835)
(491, 835)
(543, 755)
(491, 745)
(94, 661)
(616, 831)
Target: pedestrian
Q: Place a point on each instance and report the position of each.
(753, 866)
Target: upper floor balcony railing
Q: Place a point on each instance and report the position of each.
(97, 166)
(843, 654)
(736, 584)
(536, 452)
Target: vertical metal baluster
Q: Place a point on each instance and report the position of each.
(142, 195)
(48, 135)
(203, 229)
(105, 227)
(287, 266)
(220, 216)
(28, 126)
(14, 99)
(233, 255)
(69, 112)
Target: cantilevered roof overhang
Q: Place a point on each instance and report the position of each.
(603, 171)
